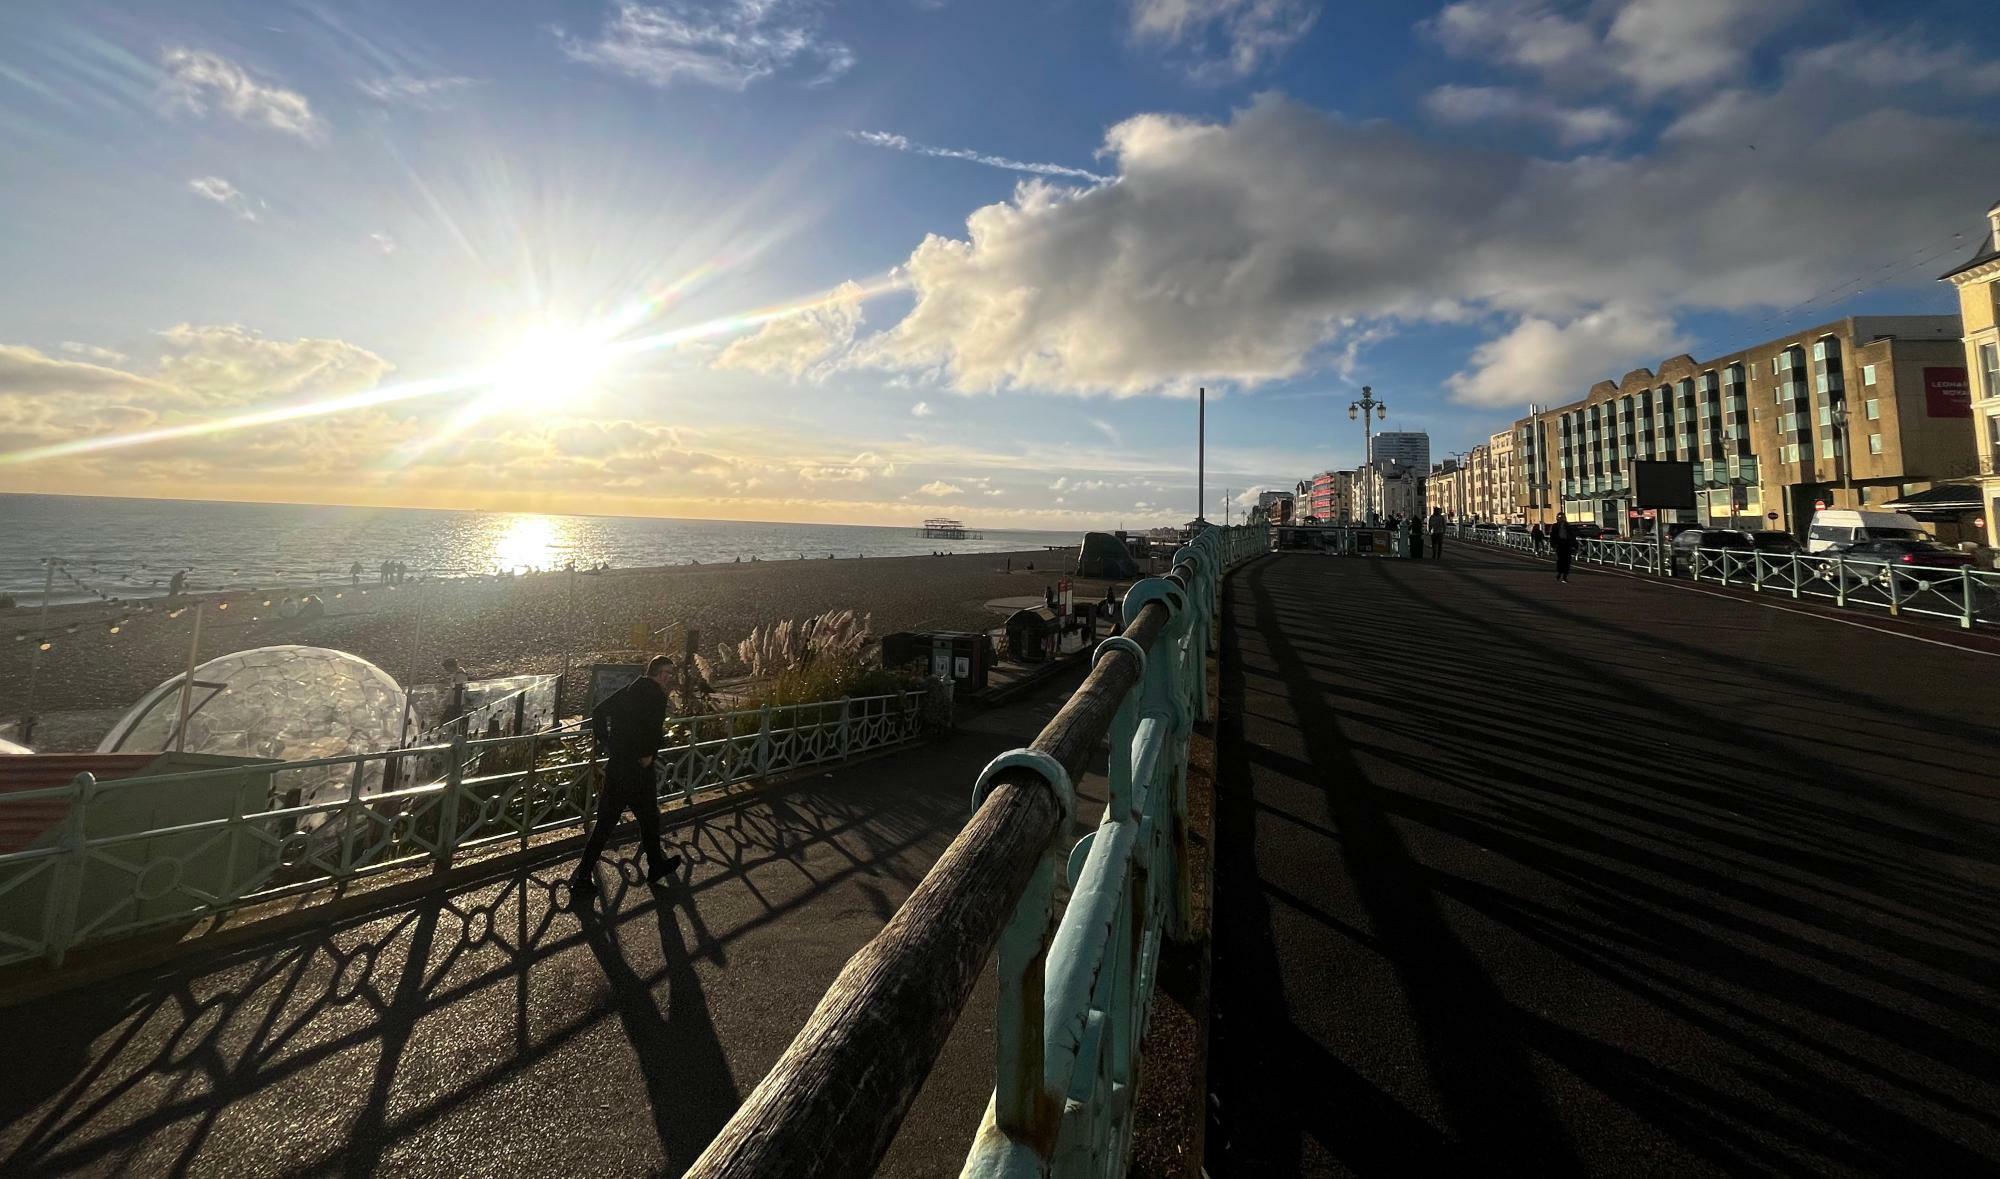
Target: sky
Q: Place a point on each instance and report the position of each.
(825, 260)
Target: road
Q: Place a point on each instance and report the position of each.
(1609, 877)
(489, 1031)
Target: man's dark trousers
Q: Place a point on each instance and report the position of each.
(627, 786)
(1437, 544)
(1564, 555)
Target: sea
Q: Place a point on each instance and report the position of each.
(130, 548)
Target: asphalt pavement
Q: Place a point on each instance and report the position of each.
(489, 1030)
(1608, 877)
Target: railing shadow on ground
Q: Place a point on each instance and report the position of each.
(1785, 907)
(186, 1046)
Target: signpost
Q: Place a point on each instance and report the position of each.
(1662, 486)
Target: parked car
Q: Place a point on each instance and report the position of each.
(1836, 529)
(1760, 540)
(1923, 560)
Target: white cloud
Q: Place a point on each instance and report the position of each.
(921, 409)
(730, 44)
(232, 363)
(1654, 47)
(1224, 37)
(992, 491)
(1573, 125)
(383, 242)
(901, 143)
(198, 81)
(215, 188)
(794, 345)
(1889, 62)
(409, 91)
(93, 351)
(1239, 252)
(939, 489)
(1109, 431)
(1542, 360)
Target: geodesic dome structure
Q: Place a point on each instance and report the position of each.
(285, 703)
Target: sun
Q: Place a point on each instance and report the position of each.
(547, 367)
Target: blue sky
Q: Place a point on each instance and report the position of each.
(806, 259)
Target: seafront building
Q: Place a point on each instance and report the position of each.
(1275, 506)
(1978, 283)
(1852, 414)
(1391, 489)
(1480, 486)
(1409, 449)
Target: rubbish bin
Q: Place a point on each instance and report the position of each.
(960, 656)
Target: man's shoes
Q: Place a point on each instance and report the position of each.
(663, 871)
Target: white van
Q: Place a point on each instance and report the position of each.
(1837, 528)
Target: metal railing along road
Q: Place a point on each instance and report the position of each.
(1075, 991)
(246, 834)
(1967, 596)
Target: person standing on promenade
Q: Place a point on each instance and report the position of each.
(627, 726)
(1535, 535)
(354, 573)
(1562, 538)
(177, 584)
(1437, 533)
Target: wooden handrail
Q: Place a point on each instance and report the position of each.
(834, 1101)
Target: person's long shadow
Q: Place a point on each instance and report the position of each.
(688, 1080)
(116, 1070)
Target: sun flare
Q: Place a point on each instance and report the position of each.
(549, 366)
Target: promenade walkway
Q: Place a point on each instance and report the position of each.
(1607, 877)
(488, 1031)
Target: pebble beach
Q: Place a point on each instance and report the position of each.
(495, 627)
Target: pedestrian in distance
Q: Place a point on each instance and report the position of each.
(1562, 538)
(1535, 535)
(177, 584)
(627, 726)
(354, 573)
(1437, 533)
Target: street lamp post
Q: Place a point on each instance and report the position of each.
(1361, 411)
(1838, 412)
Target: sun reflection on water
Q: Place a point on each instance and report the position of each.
(533, 542)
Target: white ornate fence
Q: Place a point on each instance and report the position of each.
(133, 854)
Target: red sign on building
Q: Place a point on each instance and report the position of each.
(1947, 393)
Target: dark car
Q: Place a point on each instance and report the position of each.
(1924, 560)
(1739, 539)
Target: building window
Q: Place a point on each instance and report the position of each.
(1874, 407)
(1826, 448)
(1874, 444)
(1989, 364)
(1867, 374)
(1791, 451)
(1993, 432)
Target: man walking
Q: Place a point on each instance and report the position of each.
(627, 726)
(1535, 534)
(1562, 538)
(1437, 533)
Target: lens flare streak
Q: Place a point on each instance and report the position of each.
(485, 381)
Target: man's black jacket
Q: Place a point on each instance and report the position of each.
(628, 723)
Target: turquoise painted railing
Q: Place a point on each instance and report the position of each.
(1075, 980)
(255, 833)
(1066, 1075)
